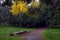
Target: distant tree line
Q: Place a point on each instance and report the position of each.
(49, 15)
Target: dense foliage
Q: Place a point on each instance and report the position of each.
(7, 2)
(53, 12)
(45, 13)
(19, 7)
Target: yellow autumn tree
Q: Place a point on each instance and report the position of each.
(33, 12)
(19, 7)
(35, 4)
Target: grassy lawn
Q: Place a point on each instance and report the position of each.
(5, 31)
(51, 34)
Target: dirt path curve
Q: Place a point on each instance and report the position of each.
(34, 35)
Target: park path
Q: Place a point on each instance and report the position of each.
(34, 35)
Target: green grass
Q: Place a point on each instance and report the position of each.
(51, 34)
(5, 31)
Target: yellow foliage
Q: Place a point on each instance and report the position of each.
(19, 7)
(35, 5)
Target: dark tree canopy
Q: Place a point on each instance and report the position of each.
(7, 2)
(28, 1)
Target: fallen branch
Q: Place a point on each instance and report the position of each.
(18, 33)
